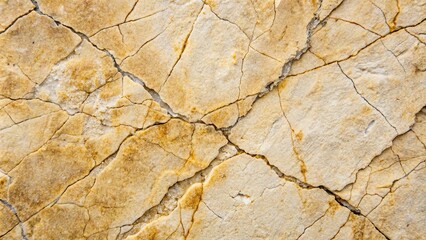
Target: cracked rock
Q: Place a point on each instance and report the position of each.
(212, 119)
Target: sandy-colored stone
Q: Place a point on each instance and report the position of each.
(375, 181)
(401, 214)
(8, 220)
(87, 16)
(339, 39)
(74, 78)
(226, 116)
(33, 45)
(390, 74)
(161, 45)
(418, 31)
(230, 196)
(68, 219)
(420, 127)
(120, 192)
(181, 149)
(178, 223)
(327, 7)
(124, 102)
(189, 88)
(302, 125)
(32, 119)
(208, 119)
(11, 10)
(245, 71)
(367, 15)
(411, 12)
(357, 227)
(63, 157)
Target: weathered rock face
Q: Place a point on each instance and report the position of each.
(208, 119)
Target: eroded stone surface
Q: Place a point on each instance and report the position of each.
(207, 119)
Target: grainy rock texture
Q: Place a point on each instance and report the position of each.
(212, 119)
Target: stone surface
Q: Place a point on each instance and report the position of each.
(12, 10)
(310, 123)
(208, 119)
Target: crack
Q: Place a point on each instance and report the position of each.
(144, 44)
(26, 75)
(317, 56)
(296, 151)
(29, 99)
(392, 186)
(331, 12)
(395, 18)
(399, 161)
(357, 24)
(378, 229)
(264, 190)
(195, 211)
(96, 168)
(342, 202)
(341, 226)
(312, 224)
(286, 67)
(393, 54)
(154, 94)
(15, 20)
(128, 21)
(358, 51)
(131, 10)
(264, 54)
(21, 225)
(242, 67)
(418, 138)
(91, 171)
(207, 206)
(27, 119)
(383, 13)
(44, 144)
(356, 90)
(224, 106)
(388, 148)
(424, 43)
(183, 48)
(181, 186)
(226, 20)
(309, 32)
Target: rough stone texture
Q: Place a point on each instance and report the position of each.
(208, 119)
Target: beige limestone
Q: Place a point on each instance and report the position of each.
(395, 72)
(229, 195)
(376, 181)
(208, 119)
(405, 205)
(310, 123)
(34, 44)
(87, 16)
(12, 10)
(7, 217)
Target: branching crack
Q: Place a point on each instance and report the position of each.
(15, 20)
(356, 90)
(300, 183)
(185, 42)
(21, 225)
